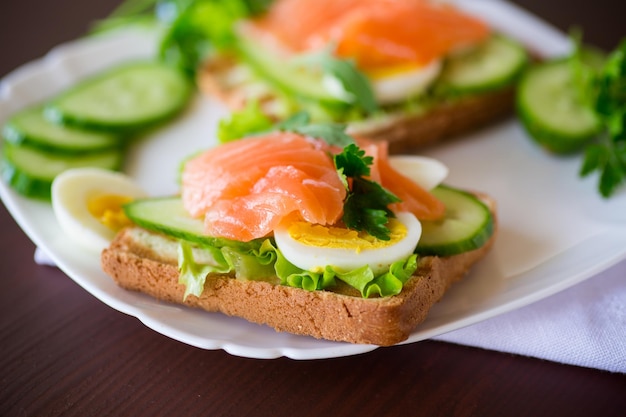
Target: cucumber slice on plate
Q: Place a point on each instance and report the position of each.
(494, 64)
(124, 99)
(30, 171)
(551, 111)
(30, 127)
(467, 225)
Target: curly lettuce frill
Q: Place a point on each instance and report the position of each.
(265, 262)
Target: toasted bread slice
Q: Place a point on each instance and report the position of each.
(222, 78)
(144, 261)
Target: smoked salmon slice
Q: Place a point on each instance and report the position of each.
(375, 33)
(245, 188)
(415, 199)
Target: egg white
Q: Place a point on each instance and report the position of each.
(425, 171)
(315, 258)
(396, 86)
(71, 191)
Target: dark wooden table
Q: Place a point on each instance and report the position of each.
(64, 353)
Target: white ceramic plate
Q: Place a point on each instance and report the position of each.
(555, 230)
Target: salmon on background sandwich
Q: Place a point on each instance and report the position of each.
(406, 71)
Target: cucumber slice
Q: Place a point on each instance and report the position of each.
(468, 225)
(126, 98)
(286, 78)
(551, 111)
(494, 64)
(30, 127)
(30, 171)
(167, 215)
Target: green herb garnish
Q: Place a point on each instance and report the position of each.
(355, 85)
(332, 133)
(192, 28)
(604, 90)
(199, 27)
(366, 206)
(353, 81)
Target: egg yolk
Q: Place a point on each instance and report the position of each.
(107, 209)
(394, 70)
(343, 238)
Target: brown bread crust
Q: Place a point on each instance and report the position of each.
(445, 121)
(404, 132)
(338, 316)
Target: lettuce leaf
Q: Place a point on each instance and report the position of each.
(387, 284)
(247, 121)
(362, 279)
(254, 264)
(192, 274)
(266, 262)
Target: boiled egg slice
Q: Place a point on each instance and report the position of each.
(87, 203)
(397, 84)
(426, 172)
(313, 247)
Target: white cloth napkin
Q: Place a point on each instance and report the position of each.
(584, 325)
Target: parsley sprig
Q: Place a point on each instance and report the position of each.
(605, 92)
(366, 205)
